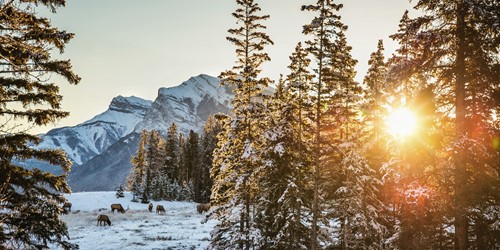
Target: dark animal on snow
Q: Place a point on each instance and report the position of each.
(117, 207)
(160, 209)
(202, 207)
(67, 207)
(150, 207)
(102, 220)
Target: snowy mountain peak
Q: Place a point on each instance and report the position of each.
(188, 105)
(90, 138)
(129, 103)
(195, 88)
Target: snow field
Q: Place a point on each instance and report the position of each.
(179, 228)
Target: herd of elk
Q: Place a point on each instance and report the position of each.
(102, 219)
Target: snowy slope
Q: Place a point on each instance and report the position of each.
(179, 228)
(86, 140)
(108, 170)
(188, 105)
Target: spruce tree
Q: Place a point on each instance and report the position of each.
(202, 180)
(299, 85)
(172, 151)
(153, 186)
(172, 157)
(136, 177)
(191, 156)
(190, 162)
(119, 192)
(30, 199)
(375, 102)
(323, 31)
(239, 149)
(284, 212)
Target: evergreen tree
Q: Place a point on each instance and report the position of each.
(299, 85)
(154, 151)
(135, 179)
(238, 152)
(376, 99)
(119, 192)
(189, 162)
(30, 199)
(284, 210)
(326, 46)
(202, 180)
(191, 156)
(357, 204)
(172, 151)
(456, 44)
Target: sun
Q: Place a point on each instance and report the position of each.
(401, 122)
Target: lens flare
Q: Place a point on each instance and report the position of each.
(402, 122)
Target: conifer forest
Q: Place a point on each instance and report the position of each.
(408, 158)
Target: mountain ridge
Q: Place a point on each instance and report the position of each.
(102, 146)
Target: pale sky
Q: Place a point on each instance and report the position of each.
(124, 47)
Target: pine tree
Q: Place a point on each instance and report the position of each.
(324, 30)
(189, 162)
(202, 180)
(299, 85)
(240, 145)
(119, 192)
(376, 98)
(135, 179)
(30, 199)
(154, 186)
(191, 156)
(357, 205)
(285, 196)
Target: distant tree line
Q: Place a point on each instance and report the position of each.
(174, 166)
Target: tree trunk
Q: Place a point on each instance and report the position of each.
(461, 223)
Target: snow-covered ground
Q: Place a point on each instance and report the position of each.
(179, 228)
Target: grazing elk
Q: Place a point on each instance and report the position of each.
(117, 207)
(150, 207)
(203, 207)
(67, 207)
(160, 209)
(102, 220)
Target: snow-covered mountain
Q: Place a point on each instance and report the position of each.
(88, 139)
(187, 105)
(101, 147)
